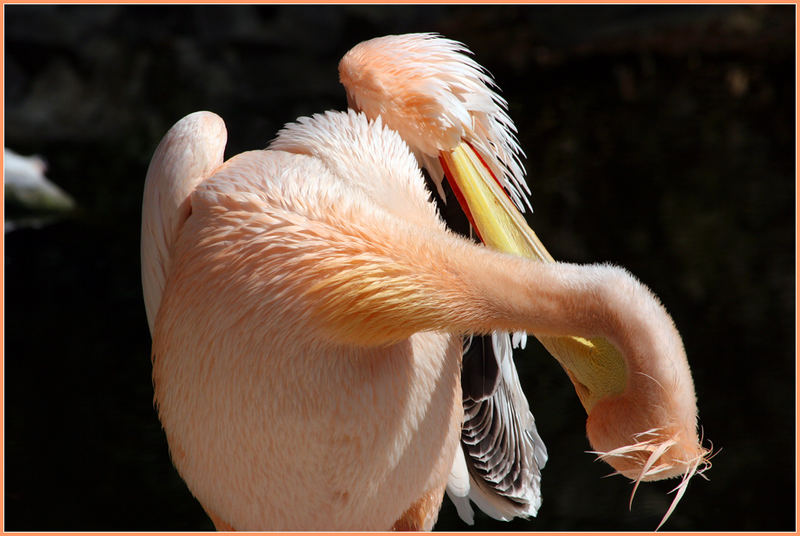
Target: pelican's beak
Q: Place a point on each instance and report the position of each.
(492, 214)
(595, 366)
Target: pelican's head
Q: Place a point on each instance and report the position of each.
(442, 104)
(437, 98)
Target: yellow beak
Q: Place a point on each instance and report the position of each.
(595, 366)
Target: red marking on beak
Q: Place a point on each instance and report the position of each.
(487, 168)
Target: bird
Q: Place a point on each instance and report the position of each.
(329, 355)
(32, 198)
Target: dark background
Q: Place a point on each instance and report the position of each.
(658, 138)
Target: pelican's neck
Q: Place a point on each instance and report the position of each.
(568, 307)
(554, 299)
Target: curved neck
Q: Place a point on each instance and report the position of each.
(601, 324)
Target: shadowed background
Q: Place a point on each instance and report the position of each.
(660, 138)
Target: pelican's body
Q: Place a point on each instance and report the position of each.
(281, 414)
(307, 306)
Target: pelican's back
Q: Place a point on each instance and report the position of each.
(191, 150)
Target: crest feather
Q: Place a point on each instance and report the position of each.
(430, 90)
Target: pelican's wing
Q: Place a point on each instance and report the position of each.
(189, 152)
(500, 466)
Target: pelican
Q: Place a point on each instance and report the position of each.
(309, 310)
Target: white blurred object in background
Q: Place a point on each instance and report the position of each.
(33, 198)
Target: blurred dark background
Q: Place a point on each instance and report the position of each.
(660, 138)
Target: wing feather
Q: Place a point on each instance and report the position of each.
(501, 447)
(189, 152)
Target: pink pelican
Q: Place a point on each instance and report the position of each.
(308, 308)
